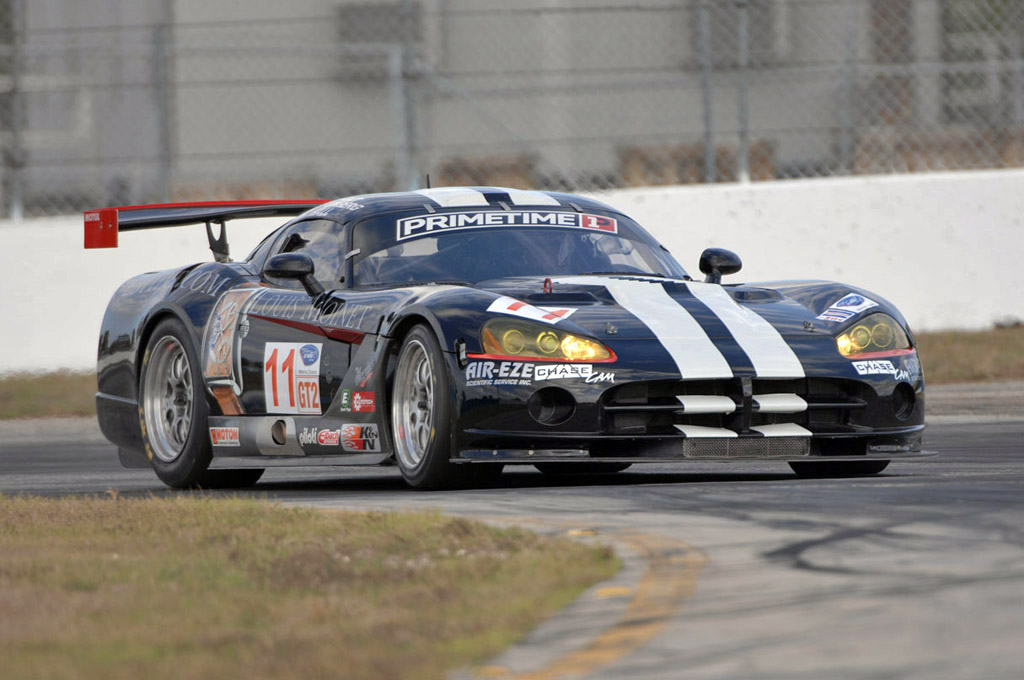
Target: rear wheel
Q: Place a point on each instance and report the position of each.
(846, 468)
(421, 416)
(173, 414)
(580, 468)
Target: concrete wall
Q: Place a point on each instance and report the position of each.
(946, 248)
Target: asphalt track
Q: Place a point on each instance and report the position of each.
(732, 570)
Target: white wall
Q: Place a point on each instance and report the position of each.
(946, 248)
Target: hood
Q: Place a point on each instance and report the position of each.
(630, 307)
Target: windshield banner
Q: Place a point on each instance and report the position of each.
(426, 225)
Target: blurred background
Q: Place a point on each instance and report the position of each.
(114, 102)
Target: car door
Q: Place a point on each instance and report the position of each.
(289, 365)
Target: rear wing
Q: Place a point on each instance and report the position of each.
(102, 226)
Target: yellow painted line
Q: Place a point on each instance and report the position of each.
(581, 532)
(614, 591)
(492, 672)
(670, 578)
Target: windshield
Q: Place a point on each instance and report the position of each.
(498, 253)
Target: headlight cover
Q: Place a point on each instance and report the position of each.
(514, 339)
(876, 335)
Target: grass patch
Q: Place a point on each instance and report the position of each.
(187, 587)
(948, 357)
(972, 356)
(41, 395)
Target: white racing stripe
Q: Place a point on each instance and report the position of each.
(702, 432)
(700, 403)
(782, 430)
(771, 356)
(454, 197)
(682, 336)
(520, 197)
(780, 403)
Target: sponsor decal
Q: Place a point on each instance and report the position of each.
(880, 367)
(424, 225)
(363, 402)
(207, 283)
(562, 371)
(328, 437)
(312, 435)
(294, 306)
(509, 305)
(224, 436)
(309, 353)
(360, 437)
(846, 308)
(290, 384)
(600, 378)
(363, 375)
(479, 373)
(355, 401)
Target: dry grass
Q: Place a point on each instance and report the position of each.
(38, 395)
(186, 587)
(948, 357)
(972, 356)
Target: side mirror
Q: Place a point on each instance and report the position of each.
(294, 266)
(716, 262)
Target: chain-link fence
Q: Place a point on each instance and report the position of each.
(105, 103)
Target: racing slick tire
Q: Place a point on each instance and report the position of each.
(581, 468)
(421, 417)
(173, 414)
(846, 468)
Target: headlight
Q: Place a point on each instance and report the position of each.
(522, 339)
(875, 334)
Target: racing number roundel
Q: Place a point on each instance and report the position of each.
(291, 377)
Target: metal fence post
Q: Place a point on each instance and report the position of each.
(162, 83)
(846, 88)
(14, 159)
(410, 90)
(743, 157)
(397, 94)
(706, 91)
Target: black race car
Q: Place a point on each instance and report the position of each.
(453, 331)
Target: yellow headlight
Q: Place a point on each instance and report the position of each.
(526, 339)
(513, 341)
(581, 349)
(876, 333)
(547, 342)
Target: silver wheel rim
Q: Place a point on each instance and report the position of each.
(167, 399)
(412, 413)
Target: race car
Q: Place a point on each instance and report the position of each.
(453, 331)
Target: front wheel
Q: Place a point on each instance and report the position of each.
(421, 414)
(846, 468)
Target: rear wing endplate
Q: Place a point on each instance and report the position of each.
(102, 226)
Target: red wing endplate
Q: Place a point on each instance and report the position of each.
(102, 226)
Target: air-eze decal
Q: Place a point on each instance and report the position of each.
(425, 225)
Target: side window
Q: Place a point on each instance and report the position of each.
(322, 241)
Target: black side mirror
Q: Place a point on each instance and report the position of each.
(715, 262)
(294, 266)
